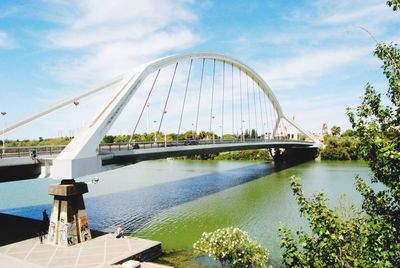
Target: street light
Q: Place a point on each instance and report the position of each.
(165, 133)
(213, 117)
(242, 129)
(4, 129)
(155, 131)
(264, 130)
(148, 108)
(76, 126)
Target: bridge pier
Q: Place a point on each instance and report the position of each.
(68, 221)
(294, 155)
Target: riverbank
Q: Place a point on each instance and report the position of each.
(248, 155)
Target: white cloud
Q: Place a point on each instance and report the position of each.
(113, 37)
(305, 69)
(5, 40)
(345, 12)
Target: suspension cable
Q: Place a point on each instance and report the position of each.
(223, 99)
(255, 111)
(276, 121)
(184, 100)
(272, 117)
(261, 113)
(233, 109)
(248, 103)
(212, 98)
(144, 106)
(198, 103)
(166, 101)
(241, 105)
(266, 113)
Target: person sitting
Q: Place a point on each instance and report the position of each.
(33, 154)
(120, 232)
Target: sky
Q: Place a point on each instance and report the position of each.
(315, 55)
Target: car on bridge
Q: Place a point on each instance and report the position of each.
(191, 142)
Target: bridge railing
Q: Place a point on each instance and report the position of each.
(50, 150)
(22, 151)
(123, 146)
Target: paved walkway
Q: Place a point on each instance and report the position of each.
(103, 251)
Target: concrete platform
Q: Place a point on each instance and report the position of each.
(103, 251)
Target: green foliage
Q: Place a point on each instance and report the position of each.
(340, 148)
(108, 139)
(244, 155)
(262, 155)
(178, 258)
(232, 247)
(39, 142)
(395, 4)
(335, 130)
(377, 126)
(229, 137)
(348, 133)
(370, 238)
(337, 239)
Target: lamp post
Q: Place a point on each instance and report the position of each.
(264, 130)
(243, 122)
(76, 127)
(213, 117)
(165, 133)
(155, 131)
(4, 129)
(148, 109)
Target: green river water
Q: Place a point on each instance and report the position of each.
(258, 206)
(175, 201)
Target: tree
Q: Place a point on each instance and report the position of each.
(108, 139)
(232, 247)
(395, 4)
(377, 126)
(335, 130)
(344, 147)
(348, 133)
(371, 238)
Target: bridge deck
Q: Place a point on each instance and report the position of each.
(116, 155)
(132, 156)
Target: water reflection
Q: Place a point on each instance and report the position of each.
(134, 208)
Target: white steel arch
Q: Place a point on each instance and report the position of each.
(79, 158)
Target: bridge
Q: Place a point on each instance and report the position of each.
(226, 93)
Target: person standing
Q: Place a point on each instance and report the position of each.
(46, 221)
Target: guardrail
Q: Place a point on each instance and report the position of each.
(110, 147)
(50, 150)
(28, 150)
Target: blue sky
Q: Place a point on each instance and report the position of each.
(312, 54)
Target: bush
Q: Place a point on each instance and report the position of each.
(232, 247)
(344, 147)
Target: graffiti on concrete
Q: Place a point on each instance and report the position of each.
(72, 233)
(63, 232)
(85, 231)
(52, 232)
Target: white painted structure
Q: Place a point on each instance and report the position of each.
(80, 158)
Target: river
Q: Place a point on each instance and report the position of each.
(174, 201)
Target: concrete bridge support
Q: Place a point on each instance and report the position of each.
(294, 155)
(68, 221)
